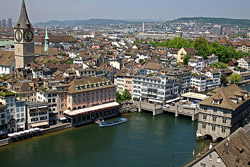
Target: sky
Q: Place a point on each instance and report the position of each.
(46, 10)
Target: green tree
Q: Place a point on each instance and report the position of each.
(186, 59)
(70, 61)
(235, 78)
(118, 98)
(126, 96)
(224, 80)
(201, 46)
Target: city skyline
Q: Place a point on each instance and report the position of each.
(46, 10)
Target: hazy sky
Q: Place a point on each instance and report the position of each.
(45, 10)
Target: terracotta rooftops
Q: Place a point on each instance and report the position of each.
(89, 83)
(6, 58)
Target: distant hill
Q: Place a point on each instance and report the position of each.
(83, 22)
(221, 21)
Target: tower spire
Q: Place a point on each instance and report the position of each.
(46, 43)
(23, 21)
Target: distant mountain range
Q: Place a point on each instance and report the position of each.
(83, 22)
(199, 20)
(221, 21)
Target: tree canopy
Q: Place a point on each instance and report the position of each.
(203, 48)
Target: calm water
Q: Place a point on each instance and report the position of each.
(144, 141)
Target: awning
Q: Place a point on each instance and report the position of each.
(63, 118)
(157, 101)
(39, 124)
(172, 100)
(91, 109)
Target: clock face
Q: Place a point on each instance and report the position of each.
(18, 36)
(28, 35)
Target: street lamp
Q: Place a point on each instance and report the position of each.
(173, 162)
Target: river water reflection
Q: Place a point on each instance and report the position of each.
(144, 141)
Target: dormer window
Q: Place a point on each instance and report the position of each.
(216, 101)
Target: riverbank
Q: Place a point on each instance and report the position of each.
(51, 129)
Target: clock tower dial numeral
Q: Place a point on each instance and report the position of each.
(18, 36)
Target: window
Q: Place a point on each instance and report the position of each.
(202, 165)
(214, 118)
(204, 126)
(215, 110)
(224, 120)
(205, 108)
(18, 115)
(210, 157)
(204, 116)
(213, 127)
(223, 130)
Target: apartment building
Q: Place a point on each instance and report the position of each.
(37, 115)
(50, 97)
(198, 82)
(155, 89)
(16, 115)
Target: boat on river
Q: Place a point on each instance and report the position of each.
(111, 123)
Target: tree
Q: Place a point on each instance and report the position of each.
(118, 97)
(224, 80)
(70, 61)
(186, 59)
(201, 46)
(235, 78)
(126, 96)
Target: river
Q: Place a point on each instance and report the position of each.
(144, 141)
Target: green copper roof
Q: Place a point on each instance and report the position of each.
(47, 35)
(23, 21)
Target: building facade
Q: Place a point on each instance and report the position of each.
(225, 111)
(155, 89)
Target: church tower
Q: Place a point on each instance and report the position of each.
(24, 39)
(46, 42)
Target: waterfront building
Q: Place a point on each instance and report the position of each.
(226, 110)
(37, 114)
(183, 75)
(84, 100)
(232, 151)
(50, 97)
(198, 82)
(16, 115)
(23, 39)
(155, 89)
(3, 119)
(124, 80)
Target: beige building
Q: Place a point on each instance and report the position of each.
(231, 152)
(223, 112)
(185, 51)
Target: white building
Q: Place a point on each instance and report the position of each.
(38, 115)
(244, 63)
(16, 116)
(49, 97)
(7, 62)
(198, 82)
(155, 89)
